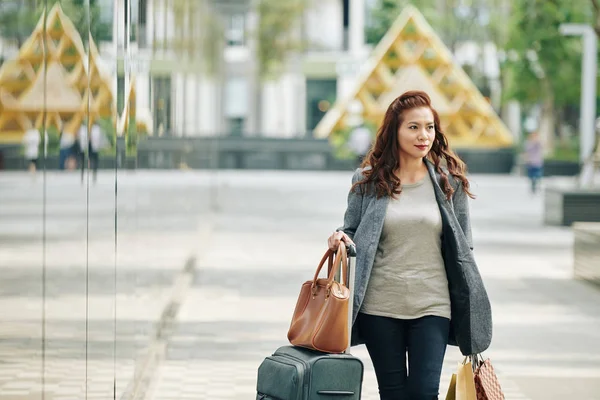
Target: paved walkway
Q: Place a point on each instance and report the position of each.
(127, 291)
(221, 317)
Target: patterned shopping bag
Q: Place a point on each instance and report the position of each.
(487, 385)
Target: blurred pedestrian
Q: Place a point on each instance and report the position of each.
(93, 144)
(417, 285)
(360, 142)
(97, 142)
(534, 159)
(83, 142)
(31, 143)
(67, 150)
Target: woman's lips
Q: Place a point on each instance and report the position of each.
(422, 146)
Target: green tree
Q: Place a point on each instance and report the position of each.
(276, 37)
(385, 12)
(543, 66)
(540, 60)
(198, 34)
(596, 16)
(18, 18)
(278, 34)
(454, 21)
(77, 11)
(451, 19)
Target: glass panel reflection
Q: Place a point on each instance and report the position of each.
(67, 203)
(99, 177)
(23, 147)
(57, 222)
(159, 212)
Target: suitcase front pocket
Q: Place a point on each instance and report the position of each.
(280, 379)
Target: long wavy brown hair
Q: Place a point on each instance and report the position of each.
(383, 158)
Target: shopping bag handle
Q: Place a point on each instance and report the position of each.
(475, 359)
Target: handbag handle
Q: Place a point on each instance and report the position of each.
(341, 258)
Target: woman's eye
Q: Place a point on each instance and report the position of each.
(430, 127)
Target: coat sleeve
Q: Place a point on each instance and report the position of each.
(460, 200)
(353, 213)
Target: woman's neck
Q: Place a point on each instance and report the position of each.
(411, 170)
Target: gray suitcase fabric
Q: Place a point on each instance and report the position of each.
(295, 373)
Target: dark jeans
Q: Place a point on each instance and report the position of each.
(388, 340)
(62, 157)
(535, 174)
(93, 162)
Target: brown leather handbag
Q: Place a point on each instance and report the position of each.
(320, 320)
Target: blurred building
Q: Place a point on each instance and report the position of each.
(169, 55)
(169, 62)
(195, 64)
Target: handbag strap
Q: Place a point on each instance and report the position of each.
(329, 264)
(341, 258)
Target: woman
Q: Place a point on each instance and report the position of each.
(417, 285)
(534, 159)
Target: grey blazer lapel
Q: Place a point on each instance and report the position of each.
(439, 193)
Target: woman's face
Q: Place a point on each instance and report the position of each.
(416, 133)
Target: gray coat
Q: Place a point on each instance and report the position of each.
(471, 315)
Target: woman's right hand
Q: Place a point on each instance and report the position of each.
(336, 237)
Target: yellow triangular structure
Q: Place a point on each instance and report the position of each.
(129, 110)
(416, 78)
(411, 56)
(51, 92)
(141, 116)
(72, 77)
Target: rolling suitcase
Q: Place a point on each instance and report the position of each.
(297, 373)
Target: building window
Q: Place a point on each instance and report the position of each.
(161, 110)
(143, 9)
(120, 94)
(346, 19)
(142, 15)
(235, 126)
(236, 30)
(236, 104)
(320, 95)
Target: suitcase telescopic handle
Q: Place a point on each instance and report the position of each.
(349, 280)
(351, 250)
(351, 253)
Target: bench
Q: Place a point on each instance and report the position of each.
(587, 251)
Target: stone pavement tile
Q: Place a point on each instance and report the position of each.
(221, 331)
(237, 380)
(65, 367)
(156, 231)
(66, 378)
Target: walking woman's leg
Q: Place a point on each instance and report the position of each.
(427, 340)
(386, 342)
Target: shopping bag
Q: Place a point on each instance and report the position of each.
(465, 382)
(487, 383)
(451, 395)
